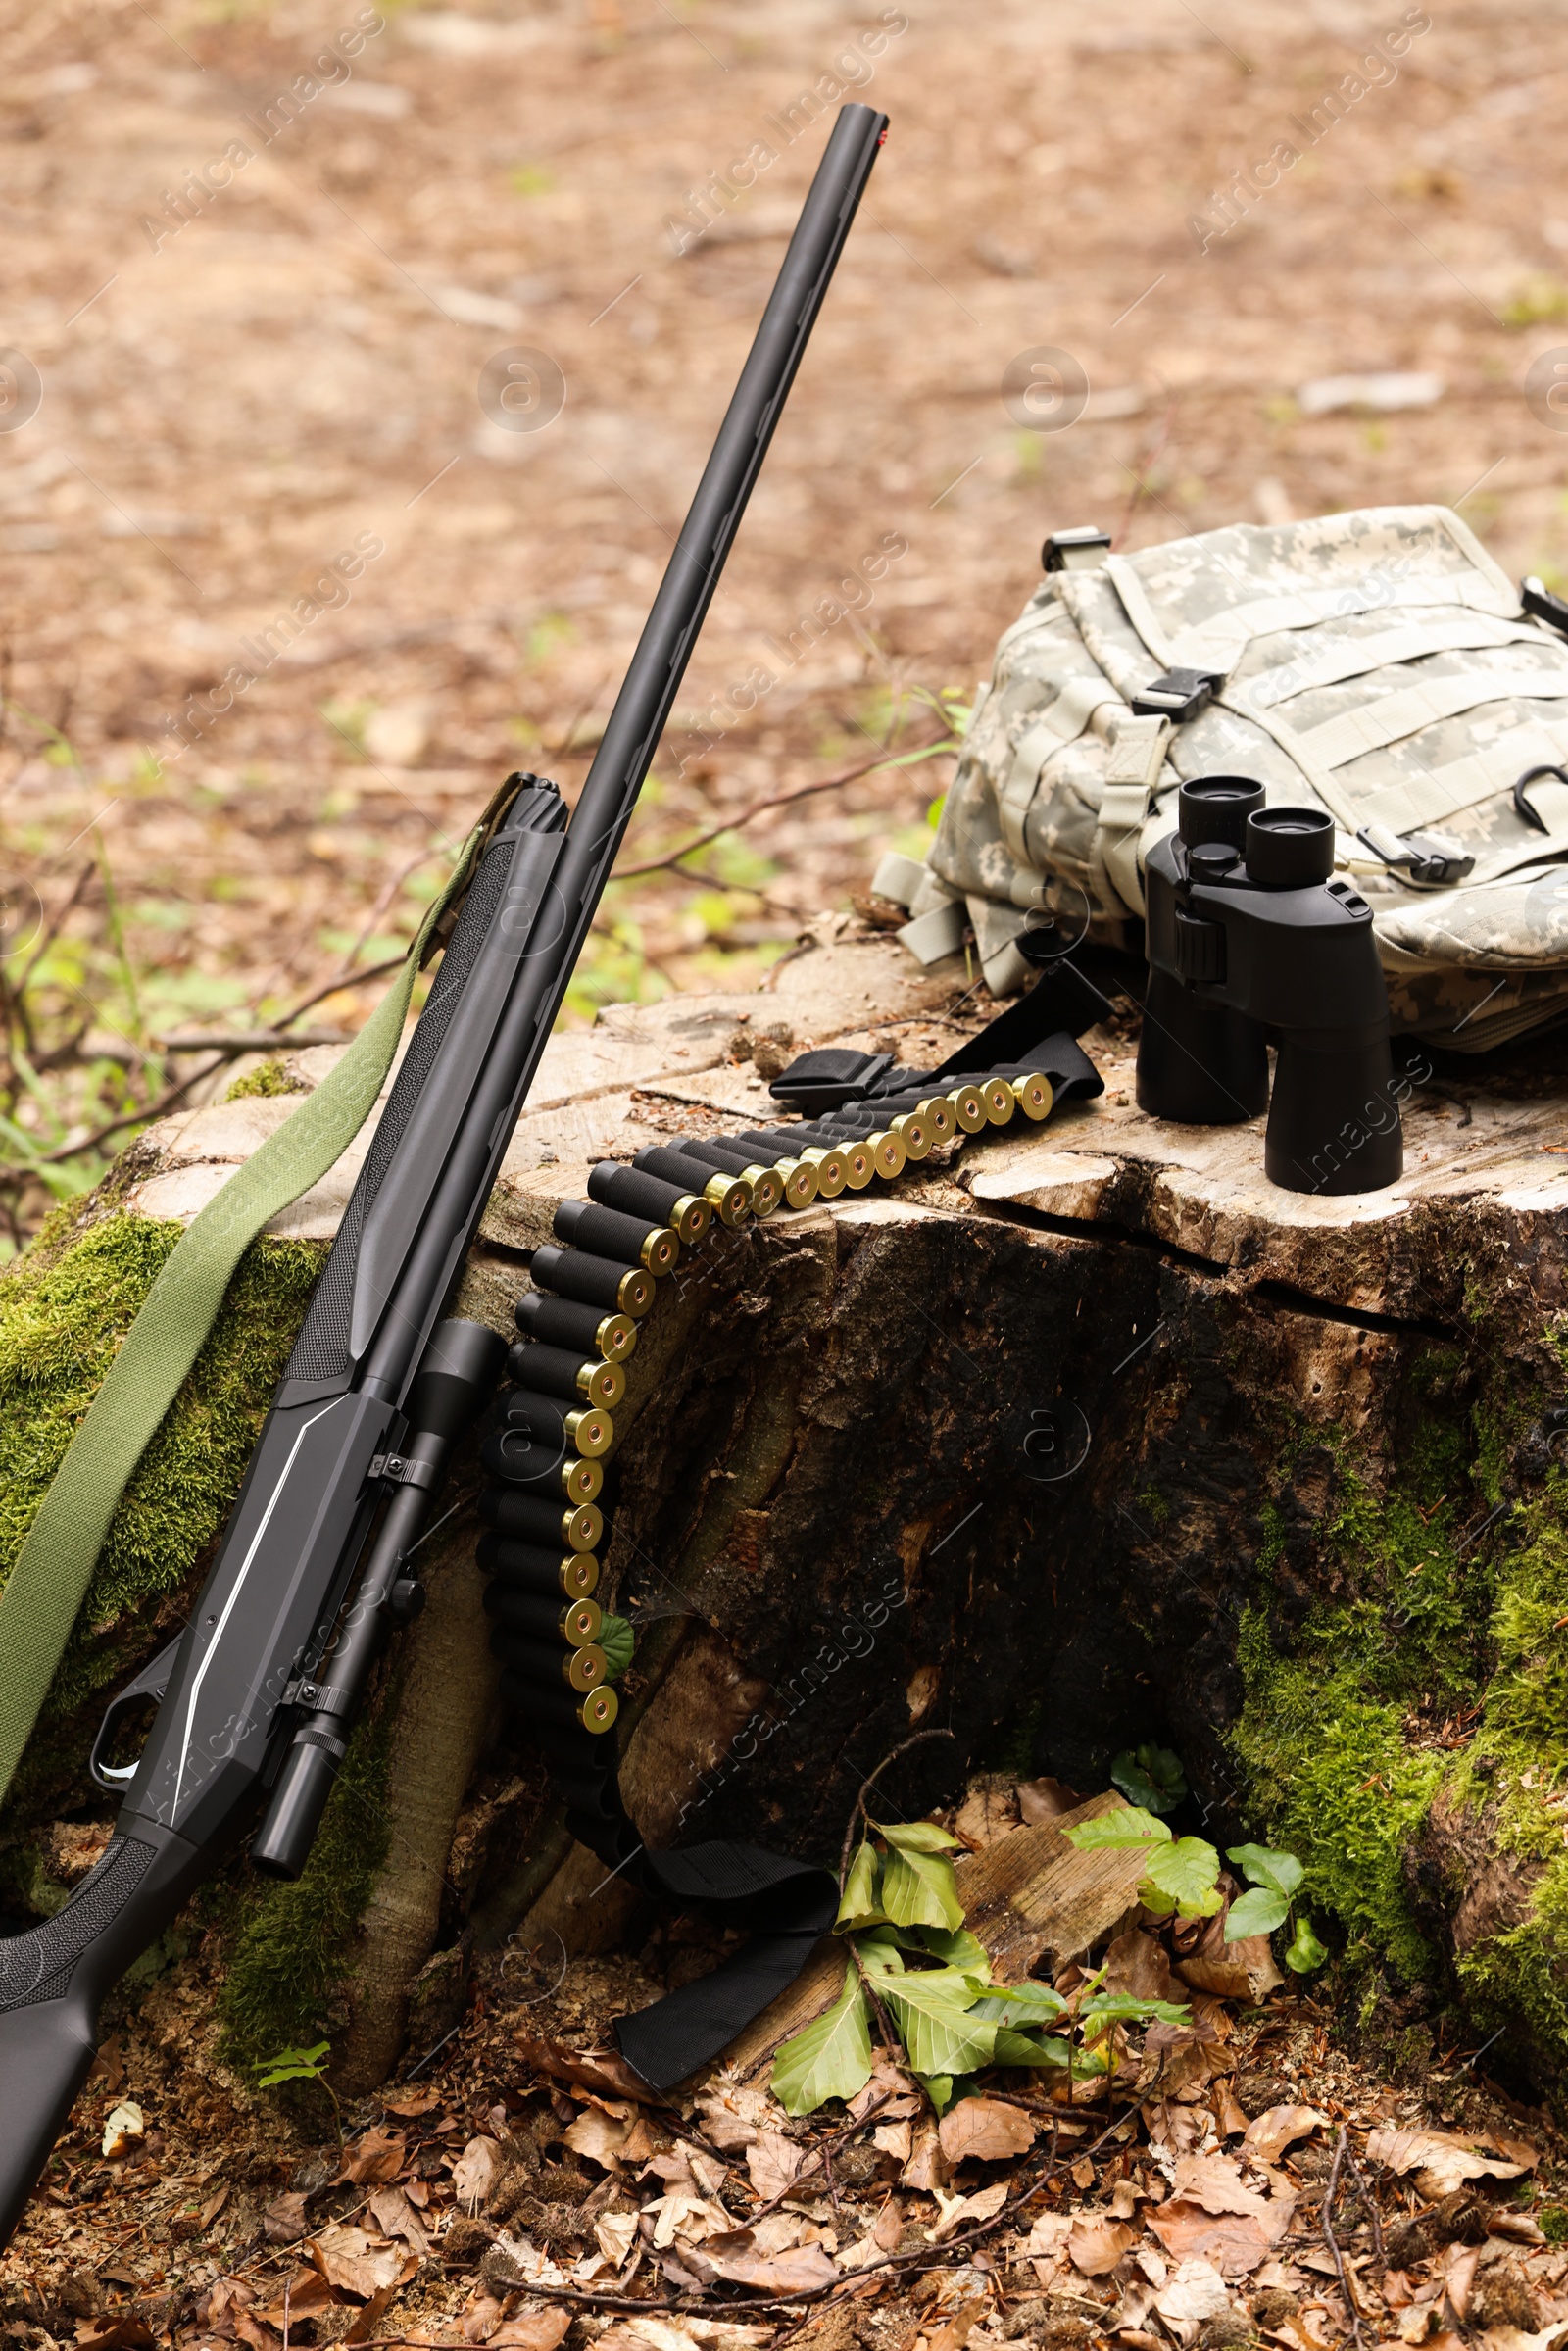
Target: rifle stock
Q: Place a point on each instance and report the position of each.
(240, 1697)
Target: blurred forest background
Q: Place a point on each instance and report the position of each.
(294, 570)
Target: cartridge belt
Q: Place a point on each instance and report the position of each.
(592, 1288)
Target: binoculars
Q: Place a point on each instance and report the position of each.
(1252, 940)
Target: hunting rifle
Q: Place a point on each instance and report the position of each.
(256, 1700)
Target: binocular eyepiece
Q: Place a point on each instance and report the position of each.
(1249, 934)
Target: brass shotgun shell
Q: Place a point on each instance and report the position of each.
(660, 1252)
(914, 1133)
(861, 1164)
(615, 1338)
(580, 1481)
(602, 1384)
(767, 1190)
(730, 1198)
(691, 1218)
(798, 1181)
(582, 1623)
(598, 1710)
(1033, 1095)
(592, 1433)
(889, 1155)
(939, 1115)
(968, 1108)
(636, 1292)
(831, 1166)
(578, 1575)
(998, 1097)
(584, 1669)
(582, 1530)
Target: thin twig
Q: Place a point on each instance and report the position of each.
(775, 799)
(1347, 2287)
(858, 1810)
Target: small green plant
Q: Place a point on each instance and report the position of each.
(301, 2065)
(1274, 1879)
(619, 1643)
(917, 1970)
(1151, 1777)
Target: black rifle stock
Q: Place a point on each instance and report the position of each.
(261, 1691)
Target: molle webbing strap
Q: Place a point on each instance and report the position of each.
(551, 1684)
(52, 1572)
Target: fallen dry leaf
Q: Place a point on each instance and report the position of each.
(985, 1816)
(369, 2315)
(413, 2102)
(108, 2333)
(679, 2334)
(1096, 2244)
(895, 2096)
(927, 2168)
(1229, 2117)
(1233, 2242)
(393, 2214)
(1237, 1971)
(959, 2211)
(1215, 2182)
(1125, 2200)
(1519, 2227)
(283, 2223)
(956, 2331)
(1513, 2339)
(614, 2234)
(1193, 2294)
(1048, 2235)
(358, 2263)
(894, 2138)
(798, 2270)
(603, 2070)
(1139, 1966)
(1441, 2160)
(540, 2328)
(481, 2317)
(473, 2174)
(377, 2155)
(1517, 2150)
(772, 2161)
(306, 2296)
(888, 2229)
(601, 2138)
(986, 2130)
(1041, 1800)
(1270, 2133)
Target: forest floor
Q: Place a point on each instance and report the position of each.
(281, 600)
(1259, 2166)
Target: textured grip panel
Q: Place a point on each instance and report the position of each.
(322, 1350)
(38, 1965)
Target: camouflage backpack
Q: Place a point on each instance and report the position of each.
(1378, 665)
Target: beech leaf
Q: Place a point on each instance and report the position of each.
(1256, 1913)
(933, 2014)
(918, 1889)
(860, 1906)
(1149, 1776)
(619, 1644)
(1021, 2004)
(917, 1836)
(1022, 2048)
(831, 2058)
(1129, 1826)
(1281, 1872)
(1182, 1878)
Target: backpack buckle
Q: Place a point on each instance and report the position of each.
(1426, 857)
(1540, 603)
(1178, 695)
(1083, 548)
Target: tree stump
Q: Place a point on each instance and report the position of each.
(1084, 1436)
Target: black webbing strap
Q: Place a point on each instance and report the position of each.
(785, 1905)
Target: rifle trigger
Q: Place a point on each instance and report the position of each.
(400, 1470)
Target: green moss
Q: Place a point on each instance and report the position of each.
(1153, 1503)
(1335, 1782)
(268, 1077)
(64, 1307)
(297, 1942)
